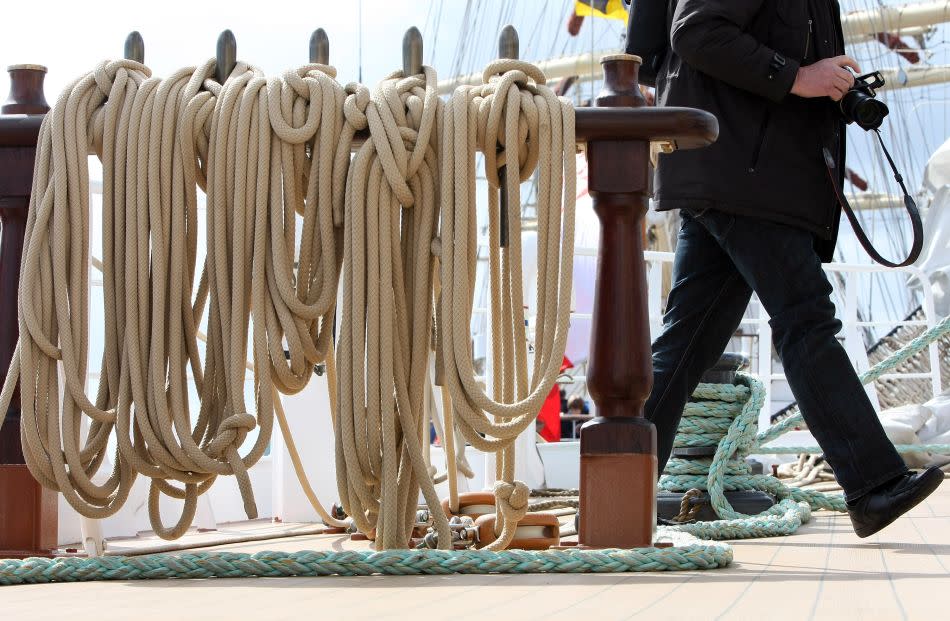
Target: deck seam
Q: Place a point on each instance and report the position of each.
(778, 548)
(933, 550)
(890, 578)
(824, 571)
(660, 598)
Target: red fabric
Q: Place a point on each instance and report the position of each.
(574, 22)
(550, 413)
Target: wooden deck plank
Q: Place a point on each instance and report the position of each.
(797, 566)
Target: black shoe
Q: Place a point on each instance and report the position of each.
(882, 505)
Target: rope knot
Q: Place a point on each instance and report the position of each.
(354, 107)
(402, 121)
(232, 432)
(511, 500)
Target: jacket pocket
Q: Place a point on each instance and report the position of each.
(759, 141)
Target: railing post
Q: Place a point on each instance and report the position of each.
(618, 448)
(28, 512)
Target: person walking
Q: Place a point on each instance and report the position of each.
(760, 213)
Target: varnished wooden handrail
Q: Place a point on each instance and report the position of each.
(686, 128)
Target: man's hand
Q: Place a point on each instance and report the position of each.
(826, 78)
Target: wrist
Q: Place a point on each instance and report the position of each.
(797, 83)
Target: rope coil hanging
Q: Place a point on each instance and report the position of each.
(265, 152)
(517, 122)
(389, 224)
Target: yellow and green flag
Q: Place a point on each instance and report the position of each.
(611, 9)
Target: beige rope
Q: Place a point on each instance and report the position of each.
(515, 111)
(264, 152)
(284, 427)
(387, 309)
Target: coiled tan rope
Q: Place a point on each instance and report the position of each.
(267, 152)
(264, 152)
(515, 121)
(390, 222)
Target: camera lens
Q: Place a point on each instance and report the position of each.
(870, 113)
(861, 108)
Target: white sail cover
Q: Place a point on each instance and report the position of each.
(935, 257)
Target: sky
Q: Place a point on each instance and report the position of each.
(179, 34)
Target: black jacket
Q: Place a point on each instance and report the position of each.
(768, 161)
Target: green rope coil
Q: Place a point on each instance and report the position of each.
(735, 417)
(782, 519)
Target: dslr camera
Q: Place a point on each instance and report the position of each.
(859, 104)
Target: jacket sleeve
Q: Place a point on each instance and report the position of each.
(710, 36)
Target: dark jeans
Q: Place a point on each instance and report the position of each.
(720, 260)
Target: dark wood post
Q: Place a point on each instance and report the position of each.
(28, 512)
(618, 447)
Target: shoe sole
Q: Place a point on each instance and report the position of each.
(928, 487)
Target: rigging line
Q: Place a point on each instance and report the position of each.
(462, 28)
(466, 32)
(435, 35)
(470, 32)
(529, 45)
(482, 18)
(502, 16)
(428, 17)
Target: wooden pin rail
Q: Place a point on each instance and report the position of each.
(618, 447)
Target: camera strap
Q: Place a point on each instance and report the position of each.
(909, 205)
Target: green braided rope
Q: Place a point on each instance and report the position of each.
(704, 425)
(699, 555)
(730, 393)
(728, 470)
(715, 409)
(697, 439)
(782, 519)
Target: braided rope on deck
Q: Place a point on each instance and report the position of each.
(699, 555)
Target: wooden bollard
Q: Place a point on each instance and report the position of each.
(28, 512)
(618, 447)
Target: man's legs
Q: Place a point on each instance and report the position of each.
(780, 264)
(704, 309)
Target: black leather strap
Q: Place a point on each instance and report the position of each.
(909, 205)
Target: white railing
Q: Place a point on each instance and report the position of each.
(848, 314)
(757, 318)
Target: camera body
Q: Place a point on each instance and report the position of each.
(859, 104)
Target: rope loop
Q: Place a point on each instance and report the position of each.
(511, 503)
(525, 70)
